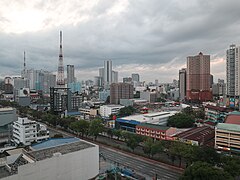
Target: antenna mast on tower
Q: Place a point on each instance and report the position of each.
(60, 75)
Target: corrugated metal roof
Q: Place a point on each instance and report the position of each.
(229, 127)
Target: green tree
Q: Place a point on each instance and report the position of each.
(109, 132)
(132, 143)
(133, 140)
(157, 147)
(181, 120)
(125, 135)
(204, 171)
(206, 154)
(117, 133)
(50, 118)
(126, 111)
(147, 146)
(231, 165)
(96, 127)
(188, 110)
(80, 126)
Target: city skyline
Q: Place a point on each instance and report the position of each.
(153, 41)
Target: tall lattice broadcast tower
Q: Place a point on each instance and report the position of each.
(60, 75)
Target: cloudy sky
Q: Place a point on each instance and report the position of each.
(149, 37)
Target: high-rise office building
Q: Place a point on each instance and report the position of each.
(182, 83)
(70, 74)
(41, 80)
(233, 70)
(198, 75)
(120, 91)
(114, 77)
(107, 72)
(135, 77)
(107, 75)
(127, 80)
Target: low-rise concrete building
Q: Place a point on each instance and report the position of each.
(227, 135)
(196, 136)
(129, 123)
(107, 110)
(151, 130)
(215, 113)
(26, 131)
(64, 158)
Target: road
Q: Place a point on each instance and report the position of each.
(140, 165)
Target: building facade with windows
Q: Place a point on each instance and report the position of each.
(26, 131)
(198, 78)
(120, 91)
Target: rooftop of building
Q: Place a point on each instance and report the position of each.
(113, 105)
(196, 134)
(173, 131)
(228, 127)
(233, 118)
(44, 150)
(6, 109)
(66, 146)
(75, 113)
(143, 117)
(153, 118)
(153, 126)
(54, 142)
(24, 121)
(218, 108)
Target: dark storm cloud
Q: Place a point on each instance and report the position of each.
(143, 33)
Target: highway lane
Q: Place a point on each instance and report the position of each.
(140, 165)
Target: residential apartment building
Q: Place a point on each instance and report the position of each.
(219, 89)
(26, 131)
(233, 70)
(149, 96)
(216, 114)
(120, 91)
(198, 78)
(182, 83)
(60, 100)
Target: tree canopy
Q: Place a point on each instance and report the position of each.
(181, 120)
(96, 127)
(126, 111)
(80, 126)
(204, 171)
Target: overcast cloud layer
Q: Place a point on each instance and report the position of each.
(149, 37)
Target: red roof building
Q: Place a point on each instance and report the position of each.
(233, 118)
(196, 136)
